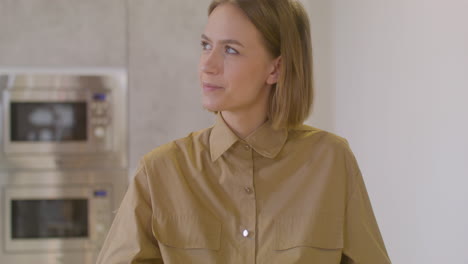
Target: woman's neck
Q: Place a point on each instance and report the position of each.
(243, 124)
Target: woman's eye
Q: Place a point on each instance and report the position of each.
(231, 50)
(205, 45)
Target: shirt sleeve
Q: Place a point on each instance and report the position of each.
(363, 243)
(130, 239)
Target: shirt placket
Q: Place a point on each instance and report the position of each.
(248, 218)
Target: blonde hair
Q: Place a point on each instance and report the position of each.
(285, 28)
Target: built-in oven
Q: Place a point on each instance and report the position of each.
(51, 121)
(57, 119)
(63, 164)
(59, 216)
(52, 218)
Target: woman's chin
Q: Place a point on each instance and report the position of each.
(211, 106)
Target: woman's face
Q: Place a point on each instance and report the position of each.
(236, 71)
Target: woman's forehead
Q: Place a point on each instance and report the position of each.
(228, 22)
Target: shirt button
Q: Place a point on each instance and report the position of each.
(246, 147)
(248, 190)
(245, 233)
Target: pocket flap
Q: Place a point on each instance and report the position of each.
(322, 231)
(188, 231)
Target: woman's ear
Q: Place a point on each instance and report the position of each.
(274, 74)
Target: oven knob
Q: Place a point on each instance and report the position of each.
(99, 132)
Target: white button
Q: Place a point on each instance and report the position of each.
(245, 233)
(248, 190)
(246, 147)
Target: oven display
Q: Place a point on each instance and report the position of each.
(63, 218)
(42, 122)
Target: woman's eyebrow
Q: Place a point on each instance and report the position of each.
(224, 41)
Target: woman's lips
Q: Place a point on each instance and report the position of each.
(210, 87)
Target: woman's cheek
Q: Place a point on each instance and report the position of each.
(240, 72)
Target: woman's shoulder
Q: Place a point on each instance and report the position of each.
(312, 140)
(309, 133)
(194, 141)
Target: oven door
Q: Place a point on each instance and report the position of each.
(48, 121)
(46, 218)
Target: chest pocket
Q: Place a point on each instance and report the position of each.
(187, 231)
(323, 231)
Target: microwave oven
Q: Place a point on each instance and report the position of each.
(58, 121)
(48, 120)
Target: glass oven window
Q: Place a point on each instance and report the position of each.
(41, 122)
(63, 218)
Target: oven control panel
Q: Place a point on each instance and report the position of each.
(102, 214)
(100, 114)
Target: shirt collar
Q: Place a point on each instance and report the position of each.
(264, 140)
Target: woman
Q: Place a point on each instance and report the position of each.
(258, 186)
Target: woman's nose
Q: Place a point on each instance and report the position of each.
(211, 63)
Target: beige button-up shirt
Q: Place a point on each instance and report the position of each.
(279, 196)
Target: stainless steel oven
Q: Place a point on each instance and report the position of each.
(55, 121)
(52, 218)
(48, 120)
(57, 217)
(63, 164)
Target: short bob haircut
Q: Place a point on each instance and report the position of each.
(285, 28)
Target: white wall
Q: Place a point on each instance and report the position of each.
(321, 21)
(401, 80)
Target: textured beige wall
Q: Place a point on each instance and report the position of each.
(164, 49)
(60, 33)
